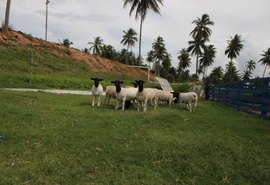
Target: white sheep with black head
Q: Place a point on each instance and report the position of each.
(145, 95)
(188, 98)
(97, 91)
(124, 96)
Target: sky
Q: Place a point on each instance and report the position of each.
(81, 21)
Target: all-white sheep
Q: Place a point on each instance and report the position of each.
(188, 98)
(144, 95)
(97, 91)
(164, 96)
(124, 94)
(110, 93)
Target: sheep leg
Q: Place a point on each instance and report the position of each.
(98, 101)
(145, 105)
(123, 104)
(93, 100)
(117, 104)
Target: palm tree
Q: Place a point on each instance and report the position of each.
(216, 75)
(233, 50)
(207, 58)
(200, 35)
(5, 30)
(129, 38)
(202, 31)
(159, 52)
(141, 7)
(231, 73)
(196, 47)
(265, 60)
(96, 45)
(184, 62)
(150, 57)
(250, 66)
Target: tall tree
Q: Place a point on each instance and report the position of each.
(216, 75)
(141, 7)
(250, 66)
(96, 45)
(5, 30)
(207, 58)
(129, 38)
(202, 31)
(231, 73)
(235, 45)
(159, 52)
(265, 60)
(184, 62)
(200, 35)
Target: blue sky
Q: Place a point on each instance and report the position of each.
(82, 20)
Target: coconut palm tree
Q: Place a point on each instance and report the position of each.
(233, 49)
(216, 75)
(202, 31)
(129, 38)
(96, 45)
(150, 57)
(141, 7)
(200, 35)
(207, 58)
(159, 52)
(5, 30)
(196, 47)
(265, 60)
(184, 59)
(250, 66)
(231, 73)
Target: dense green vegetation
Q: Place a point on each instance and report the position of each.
(62, 139)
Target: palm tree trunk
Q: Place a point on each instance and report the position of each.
(264, 70)
(5, 30)
(197, 63)
(46, 24)
(140, 40)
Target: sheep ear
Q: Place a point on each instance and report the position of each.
(172, 92)
(100, 79)
(113, 82)
(92, 78)
(121, 82)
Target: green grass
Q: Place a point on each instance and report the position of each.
(48, 69)
(62, 139)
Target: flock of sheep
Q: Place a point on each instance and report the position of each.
(139, 96)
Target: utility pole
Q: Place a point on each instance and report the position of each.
(5, 30)
(46, 24)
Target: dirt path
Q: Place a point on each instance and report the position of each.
(56, 91)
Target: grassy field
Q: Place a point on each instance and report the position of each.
(62, 139)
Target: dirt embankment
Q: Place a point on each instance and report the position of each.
(95, 63)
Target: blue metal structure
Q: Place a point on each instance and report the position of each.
(250, 96)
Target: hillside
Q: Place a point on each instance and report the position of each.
(27, 60)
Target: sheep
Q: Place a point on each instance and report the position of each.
(124, 95)
(110, 93)
(164, 96)
(97, 91)
(188, 98)
(144, 95)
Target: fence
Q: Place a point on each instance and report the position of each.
(250, 96)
